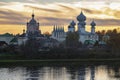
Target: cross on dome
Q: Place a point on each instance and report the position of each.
(33, 14)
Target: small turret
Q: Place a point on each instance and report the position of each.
(93, 24)
(73, 23)
(71, 27)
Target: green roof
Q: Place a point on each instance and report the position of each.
(89, 42)
(14, 40)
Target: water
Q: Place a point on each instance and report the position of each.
(63, 72)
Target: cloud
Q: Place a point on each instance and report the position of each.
(53, 21)
(3, 3)
(43, 9)
(11, 17)
(91, 11)
(105, 22)
(66, 7)
(117, 14)
(57, 13)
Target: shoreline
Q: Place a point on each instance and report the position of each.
(61, 60)
(58, 62)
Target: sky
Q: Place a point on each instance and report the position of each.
(14, 14)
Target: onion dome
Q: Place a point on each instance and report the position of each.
(32, 21)
(72, 23)
(81, 17)
(33, 15)
(93, 23)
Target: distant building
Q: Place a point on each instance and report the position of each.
(22, 38)
(105, 38)
(3, 45)
(6, 37)
(32, 31)
(33, 28)
(59, 34)
(14, 41)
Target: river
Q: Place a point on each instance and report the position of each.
(62, 72)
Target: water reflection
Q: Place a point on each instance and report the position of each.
(114, 71)
(81, 73)
(32, 73)
(92, 72)
(101, 72)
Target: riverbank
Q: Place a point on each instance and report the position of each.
(58, 62)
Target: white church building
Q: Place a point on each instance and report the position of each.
(60, 35)
(32, 31)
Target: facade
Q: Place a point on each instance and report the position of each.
(59, 34)
(33, 28)
(32, 31)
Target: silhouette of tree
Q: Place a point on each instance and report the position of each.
(72, 39)
(30, 49)
(47, 34)
(114, 41)
(96, 43)
(100, 35)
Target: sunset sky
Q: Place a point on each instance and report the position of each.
(15, 13)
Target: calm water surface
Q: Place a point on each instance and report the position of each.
(69, 72)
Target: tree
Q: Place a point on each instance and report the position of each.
(96, 43)
(72, 39)
(114, 41)
(47, 34)
(30, 49)
(100, 35)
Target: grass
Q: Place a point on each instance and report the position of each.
(57, 62)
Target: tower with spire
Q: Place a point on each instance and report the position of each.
(58, 33)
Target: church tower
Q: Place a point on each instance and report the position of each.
(81, 22)
(71, 27)
(33, 27)
(93, 24)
